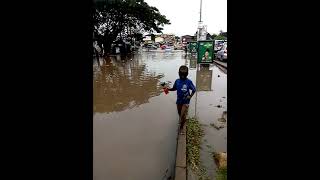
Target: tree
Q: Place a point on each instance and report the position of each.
(120, 19)
(223, 34)
(213, 36)
(209, 37)
(219, 37)
(153, 37)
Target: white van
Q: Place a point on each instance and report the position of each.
(218, 44)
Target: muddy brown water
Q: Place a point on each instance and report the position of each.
(134, 122)
(212, 93)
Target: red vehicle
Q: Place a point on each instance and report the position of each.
(163, 47)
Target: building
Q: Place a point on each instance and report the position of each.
(159, 40)
(186, 39)
(147, 39)
(168, 39)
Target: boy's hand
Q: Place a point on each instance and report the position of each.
(188, 97)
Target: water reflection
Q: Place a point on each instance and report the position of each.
(193, 63)
(123, 82)
(146, 135)
(204, 78)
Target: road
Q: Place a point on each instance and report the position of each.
(135, 123)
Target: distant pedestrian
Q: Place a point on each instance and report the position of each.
(97, 56)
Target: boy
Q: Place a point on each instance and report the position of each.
(183, 85)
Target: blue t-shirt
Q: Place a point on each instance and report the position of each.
(183, 90)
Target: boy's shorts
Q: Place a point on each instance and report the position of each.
(179, 106)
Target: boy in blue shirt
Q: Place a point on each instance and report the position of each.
(183, 85)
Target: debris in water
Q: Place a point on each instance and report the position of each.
(220, 159)
(223, 97)
(224, 115)
(222, 120)
(218, 75)
(217, 126)
(219, 106)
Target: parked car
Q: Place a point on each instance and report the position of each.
(151, 46)
(222, 54)
(163, 47)
(217, 48)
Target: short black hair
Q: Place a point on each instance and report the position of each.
(183, 68)
(207, 50)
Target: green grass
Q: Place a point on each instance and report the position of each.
(222, 171)
(222, 174)
(194, 136)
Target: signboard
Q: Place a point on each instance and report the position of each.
(205, 52)
(193, 47)
(158, 39)
(204, 78)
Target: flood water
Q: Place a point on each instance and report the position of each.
(135, 123)
(210, 103)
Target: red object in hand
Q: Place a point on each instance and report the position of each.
(166, 90)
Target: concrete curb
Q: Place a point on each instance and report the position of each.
(181, 157)
(221, 64)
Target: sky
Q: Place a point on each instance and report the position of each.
(185, 14)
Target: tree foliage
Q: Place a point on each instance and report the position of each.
(122, 19)
(213, 36)
(220, 37)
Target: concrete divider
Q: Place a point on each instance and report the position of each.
(223, 64)
(181, 157)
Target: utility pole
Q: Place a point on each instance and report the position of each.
(201, 28)
(200, 10)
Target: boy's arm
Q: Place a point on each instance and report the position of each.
(193, 88)
(173, 88)
(192, 93)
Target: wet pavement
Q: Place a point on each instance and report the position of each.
(135, 123)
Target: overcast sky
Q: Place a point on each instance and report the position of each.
(184, 15)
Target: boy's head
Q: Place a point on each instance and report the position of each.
(183, 72)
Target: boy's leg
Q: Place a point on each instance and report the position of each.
(183, 116)
(179, 107)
